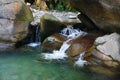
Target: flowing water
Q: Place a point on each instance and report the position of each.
(35, 39)
(81, 62)
(71, 34)
(23, 64)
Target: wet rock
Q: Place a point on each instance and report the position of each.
(15, 17)
(81, 44)
(49, 25)
(103, 13)
(105, 60)
(53, 42)
(103, 71)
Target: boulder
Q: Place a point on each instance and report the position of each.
(81, 44)
(53, 42)
(109, 45)
(15, 17)
(106, 55)
(49, 25)
(105, 14)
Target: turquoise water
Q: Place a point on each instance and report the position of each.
(23, 64)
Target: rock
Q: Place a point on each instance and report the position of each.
(53, 42)
(81, 44)
(101, 56)
(41, 4)
(103, 71)
(103, 13)
(104, 59)
(109, 45)
(49, 25)
(15, 17)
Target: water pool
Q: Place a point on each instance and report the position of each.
(23, 64)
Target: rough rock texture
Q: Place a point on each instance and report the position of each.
(49, 25)
(104, 13)
(14, 19)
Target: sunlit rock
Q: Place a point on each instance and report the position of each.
(15, 17)
(41, 4)
(109, 45)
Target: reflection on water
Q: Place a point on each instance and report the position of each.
(23, 65)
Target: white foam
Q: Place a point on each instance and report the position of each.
(58, 54)
(81, 62)
(34, 44)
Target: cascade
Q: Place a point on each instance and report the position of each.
(81, 62)
(35, 36)
(71, 34)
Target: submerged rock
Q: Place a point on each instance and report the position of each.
(103, 13)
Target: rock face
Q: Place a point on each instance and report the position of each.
(104, 13)
(49, 25)
(109, 45)
(106, 54)
(14, 19)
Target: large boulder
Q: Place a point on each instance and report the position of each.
(81, 44)
(109, 45)
(15, 17)
(105, 14)
(106, 55)
(49, 25)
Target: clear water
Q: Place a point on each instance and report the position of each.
(23, 64)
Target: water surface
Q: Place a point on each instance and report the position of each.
(23, 64)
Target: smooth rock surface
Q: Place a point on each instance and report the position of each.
(109, 45)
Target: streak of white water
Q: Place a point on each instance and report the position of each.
(37, 41)
(81, 62)
(71, 34)
(58, 54)
(34, 44)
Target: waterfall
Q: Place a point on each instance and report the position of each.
(71, 34)
(81, 62)
(58, 54)
(35, 37)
